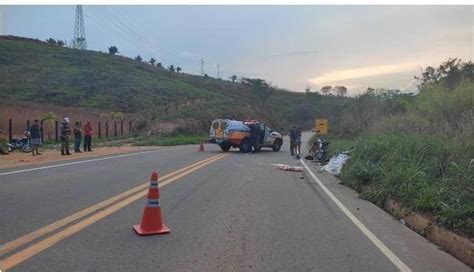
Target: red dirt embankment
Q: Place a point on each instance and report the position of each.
(19, 112)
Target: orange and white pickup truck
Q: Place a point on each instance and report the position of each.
(233, 133)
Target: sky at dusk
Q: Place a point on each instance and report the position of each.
(291, 46)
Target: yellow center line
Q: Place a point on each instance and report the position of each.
(36, 248)
(62, 222)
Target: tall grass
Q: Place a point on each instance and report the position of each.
(425, 173)
(415, 149)
(435, 110)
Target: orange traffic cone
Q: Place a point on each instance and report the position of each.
(151, 220)
(201, 147)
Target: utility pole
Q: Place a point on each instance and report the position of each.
(79, 41)
(218, 74)
(202, 67)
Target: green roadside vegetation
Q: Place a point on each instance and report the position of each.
(169, 140)
(138, 140)
(416, 149)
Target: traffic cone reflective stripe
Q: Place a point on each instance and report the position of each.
(151, 221)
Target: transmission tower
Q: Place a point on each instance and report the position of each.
(79, 41)
(218, 71)
(202, 67)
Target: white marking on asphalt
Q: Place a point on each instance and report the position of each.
(84, 161)
(379, 244)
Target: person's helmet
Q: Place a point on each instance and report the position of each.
(66, 119)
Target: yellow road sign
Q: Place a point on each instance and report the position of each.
(321, 126)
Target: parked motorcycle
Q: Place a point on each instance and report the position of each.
(22, 144)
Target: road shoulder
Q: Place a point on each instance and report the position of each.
(417, 252)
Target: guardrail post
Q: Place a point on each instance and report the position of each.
(56, 130)
(106, 129)
(41, 131)
(10, 129)
(98, 129)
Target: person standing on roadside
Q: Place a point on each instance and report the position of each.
(35, 133)
(298, 142)
(292, 135)
(65, 133)
(254, 133)
(77, 137)
(87, 136)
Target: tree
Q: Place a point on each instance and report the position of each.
(50, 119)
(51, 41)
(178, 69)
(448, 73)
(340, 90)
(370, 91)
(159, 65)
(307, 90)
(171, 68)
(260, 87)
(138, 58)
(326, 90)
(233, 78)
(61, 43)
(113, 50)
(152, 61)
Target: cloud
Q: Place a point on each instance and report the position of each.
(292, 54)
(362, 72)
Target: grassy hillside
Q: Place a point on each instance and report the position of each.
(36, 71)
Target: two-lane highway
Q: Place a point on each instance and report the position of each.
(226, 212)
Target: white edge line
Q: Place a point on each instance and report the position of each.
(84, 161)
(379, 244)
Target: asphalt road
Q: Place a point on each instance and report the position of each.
(237, 213)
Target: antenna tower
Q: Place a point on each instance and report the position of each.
(79, 41)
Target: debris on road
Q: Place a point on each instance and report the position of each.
(289, 168)
(335, 164)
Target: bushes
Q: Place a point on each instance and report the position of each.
(436, 110)
(425, 173)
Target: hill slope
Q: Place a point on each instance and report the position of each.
(36, 71)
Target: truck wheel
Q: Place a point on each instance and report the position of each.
(245, 146)
(277, 145)
(225, 146)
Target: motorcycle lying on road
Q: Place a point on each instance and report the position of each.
(318, 150)
(22, 144)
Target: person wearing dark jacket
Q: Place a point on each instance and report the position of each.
(293, 132)
(254, 136)
(77, 137)
(35, 134)
(65, 133)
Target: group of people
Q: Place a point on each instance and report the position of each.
(65, 130)
(78, 131)
(295, 142)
